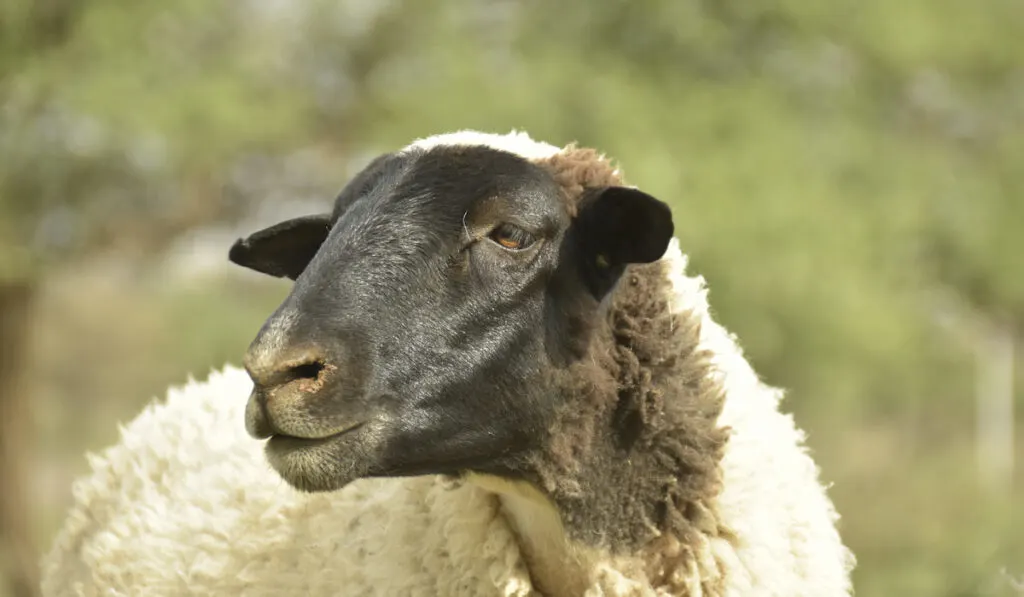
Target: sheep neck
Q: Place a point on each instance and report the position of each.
(632, 462)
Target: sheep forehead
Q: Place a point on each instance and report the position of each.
(574, 168)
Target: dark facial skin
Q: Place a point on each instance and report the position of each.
(428, 311)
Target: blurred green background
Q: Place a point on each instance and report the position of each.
(849, 176)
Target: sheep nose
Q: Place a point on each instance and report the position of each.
(283, 383)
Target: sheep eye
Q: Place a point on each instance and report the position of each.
(512, 237)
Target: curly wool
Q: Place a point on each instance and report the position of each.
(633, 458)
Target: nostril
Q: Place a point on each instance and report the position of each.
(306, 371)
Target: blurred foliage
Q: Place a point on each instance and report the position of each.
(847, 175)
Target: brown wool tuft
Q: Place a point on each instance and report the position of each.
(578, 168)
(633, 461)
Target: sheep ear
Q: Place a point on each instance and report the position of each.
(284, 249)
(617, 226)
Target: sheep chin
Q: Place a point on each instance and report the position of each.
(319, 465)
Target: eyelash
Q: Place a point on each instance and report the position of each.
(512, 238)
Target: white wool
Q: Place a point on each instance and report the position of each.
(772, 497)
(185, 503)
(516, 142)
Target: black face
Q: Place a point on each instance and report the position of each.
(428, 309)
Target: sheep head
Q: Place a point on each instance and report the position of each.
(431, 306)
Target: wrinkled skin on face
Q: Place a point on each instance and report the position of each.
(430, 307)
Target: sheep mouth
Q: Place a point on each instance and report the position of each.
(285, 442)
(321, 464)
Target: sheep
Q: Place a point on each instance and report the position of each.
(492, 376)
